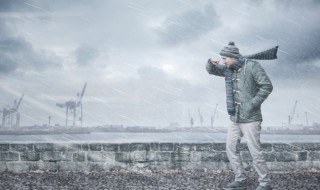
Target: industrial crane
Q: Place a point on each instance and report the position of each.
(11, 116)
(5, 116)
(74, 111)
(291, 116)
(214, 114)
(200, 117)
(191, 119)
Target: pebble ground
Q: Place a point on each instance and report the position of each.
(153, 180)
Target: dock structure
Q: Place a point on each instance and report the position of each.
(74, 110)
(11, 115)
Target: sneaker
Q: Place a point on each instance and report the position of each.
(236, 185)
(263, 187)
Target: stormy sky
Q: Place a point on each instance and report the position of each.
(144, 60)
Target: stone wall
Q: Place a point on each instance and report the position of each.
(16, 157)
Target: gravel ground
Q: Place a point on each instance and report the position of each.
(148, 180)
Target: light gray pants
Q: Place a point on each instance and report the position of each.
(251, 132)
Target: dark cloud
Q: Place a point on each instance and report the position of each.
(189, 25)
(297, 45)
(292, 26)
(19, 6)
(7, 5)
(16, 53)
(4, 5)
(298, 48)
(86, 54)
(15, 44)
(7, 65)
(302, 48)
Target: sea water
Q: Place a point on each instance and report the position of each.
(126, 137)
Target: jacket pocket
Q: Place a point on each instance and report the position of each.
(246, 109)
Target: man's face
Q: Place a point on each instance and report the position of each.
(229, 61)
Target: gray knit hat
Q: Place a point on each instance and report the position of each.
(230, 51)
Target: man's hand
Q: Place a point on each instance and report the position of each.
(214, 61)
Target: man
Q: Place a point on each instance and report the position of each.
(247, 86)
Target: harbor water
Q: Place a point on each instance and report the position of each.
(127, 137)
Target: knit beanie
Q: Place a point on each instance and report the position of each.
(230, 51)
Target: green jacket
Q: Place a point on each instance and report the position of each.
(251, 86)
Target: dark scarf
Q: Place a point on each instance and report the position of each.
(265, 55)
(229, 84)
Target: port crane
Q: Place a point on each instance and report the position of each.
(74, 113)
(191, 119)
(291, 116)
(200, 117)
(11, 116)
(214, 114)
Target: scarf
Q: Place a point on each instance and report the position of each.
(229, 85)
(265, 55)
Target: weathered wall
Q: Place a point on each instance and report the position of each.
(104, 156)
